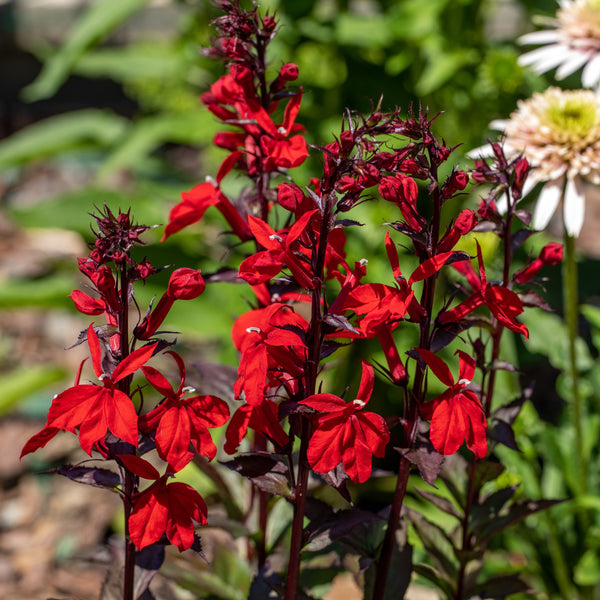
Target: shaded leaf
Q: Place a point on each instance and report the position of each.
(442, 503)
(532, 299)
(516, 512)
(399, 575)
(90, 476)
(519, 237)
(267, 473)
(431, 574)
(437, 543)
(426, 458)
(503, 433)
(501, 587)
(489, 508)
(338, 322)
(337, 526)
(337, 479)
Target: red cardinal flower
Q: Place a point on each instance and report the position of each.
(344, 434)
(184, 284)
(456, 415)
(181, 421)
(171, 508)
(281, 248)
(95, 409)
(503, 303)
(272, 350)
(551, 254)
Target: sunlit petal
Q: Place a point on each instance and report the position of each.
(547, 203)
(574, 206)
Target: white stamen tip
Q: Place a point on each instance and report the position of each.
(281, 131)
(103, 376)
(275, 237)
(363, 261)
(360, 403)
(464, 382)
(188, 389)
(253, 330)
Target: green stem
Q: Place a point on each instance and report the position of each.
(571, 302)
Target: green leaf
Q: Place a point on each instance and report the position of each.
(145, 136)
(370, 31)
(62, 132)
(49, 291)
(587, 570)
(131, 63)
(19, 383)
(97, 22)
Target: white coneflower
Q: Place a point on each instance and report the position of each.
(573, 41)
(558, 131)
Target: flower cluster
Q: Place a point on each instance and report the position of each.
(106, 416)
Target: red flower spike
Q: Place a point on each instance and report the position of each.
(503, 303)
(344, 434)
(456, 415)
(181, 421)
(171, 508)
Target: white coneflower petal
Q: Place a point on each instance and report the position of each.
(547, 203)
(539, 37)
(543, 58)
(574, 206)
(591, 73)
(575, 33)
(572, 63)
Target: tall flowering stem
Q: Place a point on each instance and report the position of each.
(105, 417)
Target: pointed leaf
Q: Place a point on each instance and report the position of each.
(90, 475)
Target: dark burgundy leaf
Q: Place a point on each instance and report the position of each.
(486, 226)
(426, 459)
(510, 412)
(519, 237)
(503, 365)
(224, 274)
(490, 506)
(267, 473)
(339, 525)
(503, 433)
(500, 587)
(399, 576)
(486, 470)
(446, 334)
(532, 299)
(523, 216)
(329, 347)
(337, 322)
(457, 256)
(515, 513)
(442, 503)
(437, 543)
(337, 480)
(346, 223)
(90, 476)
(431, 574)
